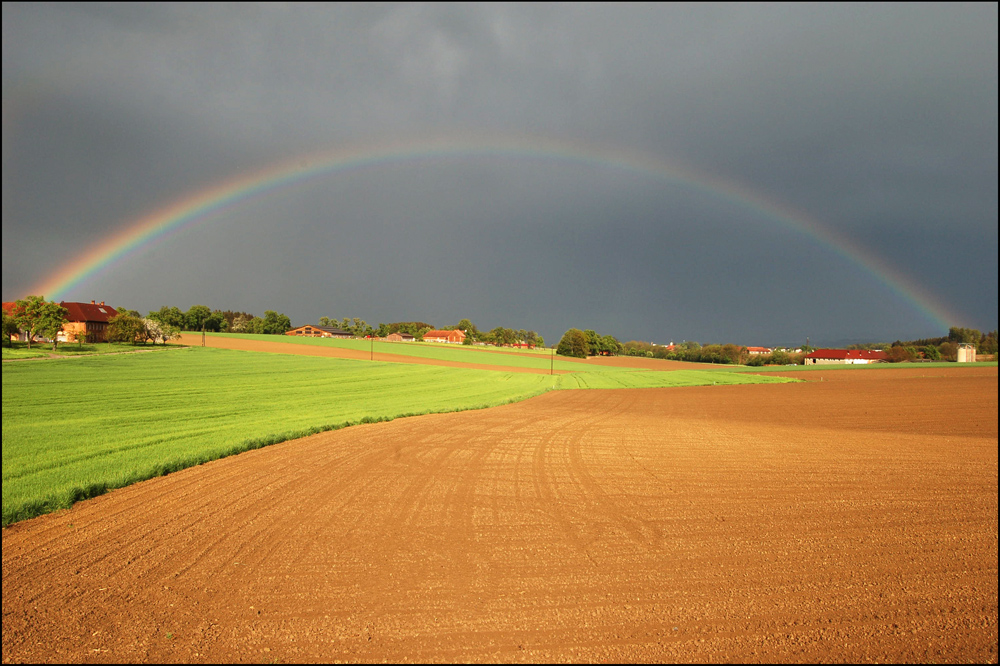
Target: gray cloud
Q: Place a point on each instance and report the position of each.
(878, 121)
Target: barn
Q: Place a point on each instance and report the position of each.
(317, 331)
(455, 336)
(845, 356)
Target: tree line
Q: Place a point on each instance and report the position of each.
(581, 344)
(201, 317)
(694, 352)
(499, 336)
(167, 323)
(944, 348)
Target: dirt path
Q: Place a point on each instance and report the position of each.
(844, 520)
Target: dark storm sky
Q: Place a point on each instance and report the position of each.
(879, 122)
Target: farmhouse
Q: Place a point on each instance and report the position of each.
(399, 337)
(758, 351)
(90, 319)
(317, 331)
(455, 337)
(845, 356)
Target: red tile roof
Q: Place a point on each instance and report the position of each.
(454, 334)
(845, 354)
(89, 311)
(78, 311)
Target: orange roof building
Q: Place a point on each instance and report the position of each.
(455, 337)
(90, 319)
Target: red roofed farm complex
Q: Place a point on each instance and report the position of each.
(455, 337)
(846, 356)
(88, 318)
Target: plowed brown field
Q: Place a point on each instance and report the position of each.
(848, 519)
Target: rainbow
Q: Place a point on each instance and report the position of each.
(207, 203)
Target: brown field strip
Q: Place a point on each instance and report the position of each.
(849, 519)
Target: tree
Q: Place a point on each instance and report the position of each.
(196, 317)
(275, 323)
(125, 327)
(931, 352)
(779, 357)
(501, 336)
(171, 316)
(10, 328)
(254, 325)
(958, 334)
(573, 343)
(411, 327)
(988, 345)
(157, 330)
(216, 322)
(36, 316)
(734, 354)
(900, 354)
(610, 344)
(230, 318)
(469, 328)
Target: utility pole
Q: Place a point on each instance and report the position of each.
(552, 362)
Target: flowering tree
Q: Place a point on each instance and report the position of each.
(158, 330)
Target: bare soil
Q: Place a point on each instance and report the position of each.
(849, 518)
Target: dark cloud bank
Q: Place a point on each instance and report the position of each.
(878, 121)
